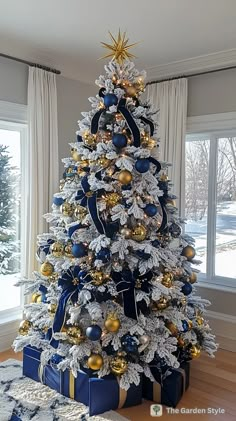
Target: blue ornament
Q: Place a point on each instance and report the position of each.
(129, 343)
(142, 165)
(58, 201)
(119, 140)
(56, 359)
(94, 332)
(186, 288)
(185, 325)
(150, 209)
(110, 99)
(175, 230)
(104, 255)
(156, 243)
(126, 187)
(79, 250)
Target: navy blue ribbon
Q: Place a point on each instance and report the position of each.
(150, 123)
(156, 163)
(162, 201)
(125, 284)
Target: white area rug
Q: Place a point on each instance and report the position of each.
(32, 401)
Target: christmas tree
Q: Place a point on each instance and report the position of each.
(9, 203)
(115, 289)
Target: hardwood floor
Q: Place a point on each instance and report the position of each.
(212, 385)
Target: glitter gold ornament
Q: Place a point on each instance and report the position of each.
(125, 177)
(36, 297)
(74, 335)
(89, 138)
(98, 277)
(112, 323)
(57, 249)
(167, 279)
(95, 361)
(200, 320)
(193, 278)
(76, 156)
(80, 212)
(161, 304)
(126, 232)
(195, 351)
(188, 252)
(68, 250)
(103, 161)
(52, 309)
(54, 277)
(67, 209)
(139, 233)
(24, 327)
(112, 199)
(46, 269)
(172, 328)
(119, 364)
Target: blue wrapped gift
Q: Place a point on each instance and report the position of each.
(167, 390)
(99, 394)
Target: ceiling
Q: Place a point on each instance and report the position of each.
(66, 34)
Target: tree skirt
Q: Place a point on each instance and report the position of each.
(28, 400)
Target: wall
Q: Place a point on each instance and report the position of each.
(13, 81)
(72, 100)
(212, 93)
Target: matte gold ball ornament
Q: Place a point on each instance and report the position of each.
(193, 278)
(74, 335)
(67, 209)
(36, 297)
(57, 249)
(119, 364)
(24, 327)
(68, 250)
(126, 232)
(95, 361)
(188, 252)
(112, 323)
(167, 279)
(139, 233)
(46, 269)
(195, 351)
(125, 177)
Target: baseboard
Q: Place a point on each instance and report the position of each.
(8, 332)
(224, 327)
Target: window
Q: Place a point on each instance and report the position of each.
(12, 167)
(210, 203)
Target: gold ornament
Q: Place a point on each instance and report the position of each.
(180, 342)
(112, 323)
(75, 335)
(161, 304)
(193, 278)
(57, 249)
(103, 161)
(163, 177)
(144, 340)
(167, 279)
(80, 212)
(52, 309)
(119, 117)
(75, 156)
(126, 232)
(68, 250)
(112, 199)
(131, 91)
(36, 298)
(67, 209)
(54, 277)
(200, 320)
(119, 48)
(84, 163)
(172, 328)
(171, 202)
(119, 364)
(139, 233)
(98, 277)
(95, 361)
(46, 269)
(125, 177)
(183, 301)
(190, 324)
(89, 138)
(195, 351)
(189, 252)
(24, 327)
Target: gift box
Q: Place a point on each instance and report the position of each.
(167, 390)
(99, 394)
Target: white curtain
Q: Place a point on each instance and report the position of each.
(171, 99)
(43, 166)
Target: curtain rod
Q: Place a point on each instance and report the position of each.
(191, 75)
(40, 66)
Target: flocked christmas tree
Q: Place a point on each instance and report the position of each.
(115, 289)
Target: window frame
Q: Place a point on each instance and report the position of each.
(212, 127)
(14, 117)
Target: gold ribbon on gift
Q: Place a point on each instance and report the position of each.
(183, 374)
(122, 395)
(156, 392)
(71, 385)
(41, 372)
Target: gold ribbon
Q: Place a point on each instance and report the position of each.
(156, 392)
(41, 372)
(122, 395)
(183, 374)
(71, 385)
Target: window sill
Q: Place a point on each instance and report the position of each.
(217, 283)
(10, 315)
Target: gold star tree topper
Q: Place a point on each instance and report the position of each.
(119, 48)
